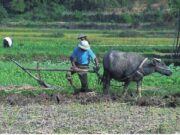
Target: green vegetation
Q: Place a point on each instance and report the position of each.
(52, 48)
(113, 11)
(42, 44)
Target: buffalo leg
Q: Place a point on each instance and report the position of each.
(125, 89)
(106, 83)
(139, 84)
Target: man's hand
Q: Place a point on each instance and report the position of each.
(74, 68)
(96, 68)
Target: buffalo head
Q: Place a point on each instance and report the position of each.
(161, 67)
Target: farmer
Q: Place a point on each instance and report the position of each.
(80, 59)
(82, 37)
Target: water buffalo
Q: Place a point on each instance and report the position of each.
(127, 67)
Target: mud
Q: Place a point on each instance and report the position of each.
(88, 98)
(17, 87)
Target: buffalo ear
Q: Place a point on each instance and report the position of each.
(153, 62)
(156, 59)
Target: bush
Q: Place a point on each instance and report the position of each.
(78, 15)
(127, 18)
(57, 11)
(40, 13)
(17, 6)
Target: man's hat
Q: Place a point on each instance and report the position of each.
(84, 45)
(81, 36)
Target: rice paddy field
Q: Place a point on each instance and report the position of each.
(42, 111)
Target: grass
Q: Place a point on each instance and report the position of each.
(51, 43)
(51, 46)
(91, 118)
(12, 75)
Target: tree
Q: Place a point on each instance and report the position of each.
(17, 6)
(3, 13)
(174, 4)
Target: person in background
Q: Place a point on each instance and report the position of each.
(80, 59)
(82, 37)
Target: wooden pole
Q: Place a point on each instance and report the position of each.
(53, 69)
(58, 69)
(38, 69)
(39, 80)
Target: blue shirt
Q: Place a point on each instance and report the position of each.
(83, 57)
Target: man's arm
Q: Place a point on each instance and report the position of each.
(74, 67)
(73, 60)
(96, 62)
(93, 56)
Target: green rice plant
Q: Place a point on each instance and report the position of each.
(154, 84)
(50, 46)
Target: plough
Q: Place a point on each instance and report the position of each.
(43, 83)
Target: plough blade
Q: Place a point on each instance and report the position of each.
(40, 81)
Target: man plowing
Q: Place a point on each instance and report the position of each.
(80, 59)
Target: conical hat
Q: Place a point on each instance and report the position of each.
(81, 36)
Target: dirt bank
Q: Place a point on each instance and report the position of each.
(88, 98)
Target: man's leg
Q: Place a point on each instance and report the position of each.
(84, 82)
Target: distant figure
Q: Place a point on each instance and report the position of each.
(80, 59)
(82, 37)
(7, 42)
